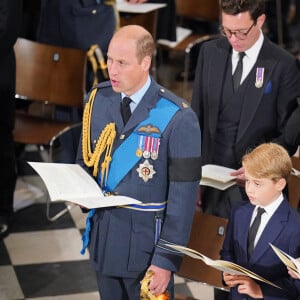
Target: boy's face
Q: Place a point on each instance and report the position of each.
(263, 191)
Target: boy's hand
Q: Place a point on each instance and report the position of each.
(245, 285)
(293, 274)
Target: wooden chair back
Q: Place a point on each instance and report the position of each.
(294, 184)
(207, 10)
(207, 236)
(50, 74)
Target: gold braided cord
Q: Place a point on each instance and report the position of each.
(117, 16)
(93, 62)
(104, 143)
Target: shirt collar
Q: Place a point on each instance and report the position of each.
(271, 208)
(251, 53)
(137, 96)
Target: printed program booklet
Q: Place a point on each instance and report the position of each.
(221, 265)
(288, 260)
(70, 182)
(217, 176)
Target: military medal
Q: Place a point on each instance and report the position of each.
(139, 150)
(145, 170)
(146, 152)
(259, 77)
(155, 148)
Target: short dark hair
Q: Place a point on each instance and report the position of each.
(233, 7)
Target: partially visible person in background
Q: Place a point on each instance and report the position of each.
(294, 27)
(30, 19)
(10, 16)
(277, 12)
(77, 24)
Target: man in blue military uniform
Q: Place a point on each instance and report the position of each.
(153, 157)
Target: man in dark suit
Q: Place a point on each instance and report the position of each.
(267, 169)
(148, 150)
(233, 121)
(10, 16)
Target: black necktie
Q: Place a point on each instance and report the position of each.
(125, 109)
(253, 230)
(237, 75)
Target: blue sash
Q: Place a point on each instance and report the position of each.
(119, 167)
(160, 116)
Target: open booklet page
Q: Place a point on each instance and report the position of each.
(217, 176)
(288, 260)
(70, 182)
(221, 265)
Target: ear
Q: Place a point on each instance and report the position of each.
(146, 63)
(280, 184)
(261, 20)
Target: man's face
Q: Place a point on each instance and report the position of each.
(127, 74)
(241, 31)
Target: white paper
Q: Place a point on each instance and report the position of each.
(221, 265)
(124, 6)
(70, 182)
(217, 176)
(295, 172)
(181, 34)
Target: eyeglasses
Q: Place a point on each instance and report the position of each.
(239, 34)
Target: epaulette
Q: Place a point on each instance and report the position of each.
(102, 85)
(180, 102)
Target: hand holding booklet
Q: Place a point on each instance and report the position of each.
(221, 265)
(70, 182)
(217, 176)
(288, 260)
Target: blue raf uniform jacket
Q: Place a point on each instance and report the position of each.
(282, 231)
(123, 240)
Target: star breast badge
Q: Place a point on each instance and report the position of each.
(145, 170)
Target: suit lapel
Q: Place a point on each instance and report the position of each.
(244, 228)
(254, 95)
(220, 59)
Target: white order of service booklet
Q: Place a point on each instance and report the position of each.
(217, 177)
(221, 265)
(70, 182)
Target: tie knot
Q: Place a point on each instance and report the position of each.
(241, 55)
(260, 211)
(126, 101)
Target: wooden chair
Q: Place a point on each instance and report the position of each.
(207, 236)
(200, 10)
(294, 184)
(49, 77)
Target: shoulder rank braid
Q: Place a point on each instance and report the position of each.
(104, 143)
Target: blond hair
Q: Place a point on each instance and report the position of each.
(269, 160)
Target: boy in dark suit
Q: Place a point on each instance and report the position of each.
(266, 168)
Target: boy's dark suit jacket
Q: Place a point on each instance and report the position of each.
(265, 109)
(283, 231)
